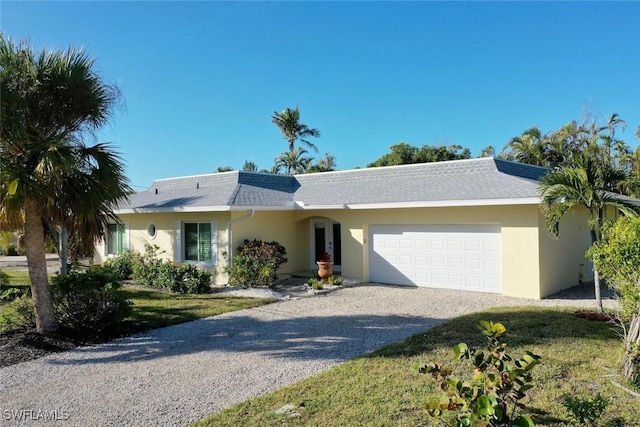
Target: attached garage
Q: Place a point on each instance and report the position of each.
(464, 257)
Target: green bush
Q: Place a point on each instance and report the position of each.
(247, 271)
(256, 263)
(18, 314)
(89, 301)
(148, 270)
(499, 383)
(316, 284)
(123, 264)
(586, 410)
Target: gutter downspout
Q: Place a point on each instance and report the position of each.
(229, 239)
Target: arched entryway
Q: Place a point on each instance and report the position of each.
(326, 236)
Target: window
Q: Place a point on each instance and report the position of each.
(151, 231)
(199, 242)
(116, 239)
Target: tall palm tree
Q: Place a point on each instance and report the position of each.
(293, 162)
(583, 182)
(288, 121)
(49, 101)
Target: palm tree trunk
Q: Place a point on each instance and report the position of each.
(46, 322)
(596, 275)
(64, 250)
(631, 362)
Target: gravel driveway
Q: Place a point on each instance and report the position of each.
(175, 375)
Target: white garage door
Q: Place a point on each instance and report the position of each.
(439, 256)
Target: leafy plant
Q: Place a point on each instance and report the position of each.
(493, 397)
(149, 270)
(89, 301)
(19, 314)
(315, 283)
(618, 258)
(256, 263)
(123, 264)
(586, 410)
(335, 280)
(325, 257)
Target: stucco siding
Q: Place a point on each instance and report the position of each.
(562, 261)
(268, 226)
(519, 229)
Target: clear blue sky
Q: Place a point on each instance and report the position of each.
(201, 80)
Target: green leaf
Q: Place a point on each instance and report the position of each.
(523, 421)
(485, 406)
(12, 187)
(461, 350)
(498, 328)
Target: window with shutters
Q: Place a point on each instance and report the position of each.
(199, 242)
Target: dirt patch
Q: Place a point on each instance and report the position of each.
(598, 317)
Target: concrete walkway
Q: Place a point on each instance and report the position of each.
(175, 375)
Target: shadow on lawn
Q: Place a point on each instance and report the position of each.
(526, 326)
(334, 338)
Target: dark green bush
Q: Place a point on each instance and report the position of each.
(123, 264)
(256, 263)
(89, 301)
(148, 270)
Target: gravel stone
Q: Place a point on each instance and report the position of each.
(175, 375)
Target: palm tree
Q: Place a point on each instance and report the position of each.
(249, 166)
(86, 196)
(583, 182)
(48, 102)
(527, 148)
(326, 164)
(288, 121)
(293, 162)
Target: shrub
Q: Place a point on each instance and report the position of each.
(247, 271)
(586, 410)
(123, 264)
(148, 270)
(19, 314)
(4, 280)
(499, 383)
(89, 301)
(256, 263)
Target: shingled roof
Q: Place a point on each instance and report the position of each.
(453, 183)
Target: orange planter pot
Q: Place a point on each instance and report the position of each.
(325, 270)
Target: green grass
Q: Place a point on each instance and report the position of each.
(384, 388)
(151, 308)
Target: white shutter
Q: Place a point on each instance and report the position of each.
(214, 243)
(126, 238)
(177, 244)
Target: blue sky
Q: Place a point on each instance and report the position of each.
(200, 80)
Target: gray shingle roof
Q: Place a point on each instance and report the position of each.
(485, 179)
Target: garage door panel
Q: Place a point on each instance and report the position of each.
(447, 256)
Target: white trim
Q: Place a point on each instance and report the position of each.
(384, 205)
(177, 252)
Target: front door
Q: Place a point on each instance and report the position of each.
(325, 236)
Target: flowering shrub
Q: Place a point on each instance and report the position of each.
(325, 257)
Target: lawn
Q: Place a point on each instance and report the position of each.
(579, 356)
(155, 309)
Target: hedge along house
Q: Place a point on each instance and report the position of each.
(468, 224)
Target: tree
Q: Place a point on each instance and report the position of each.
(49, 102)
(249, 166)
(488, 151)
(404, 154)
(528, 148)
(585, 182)
(326, 164)
(619, 257)
(293, 162)
(223, 169)
(288, 121)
